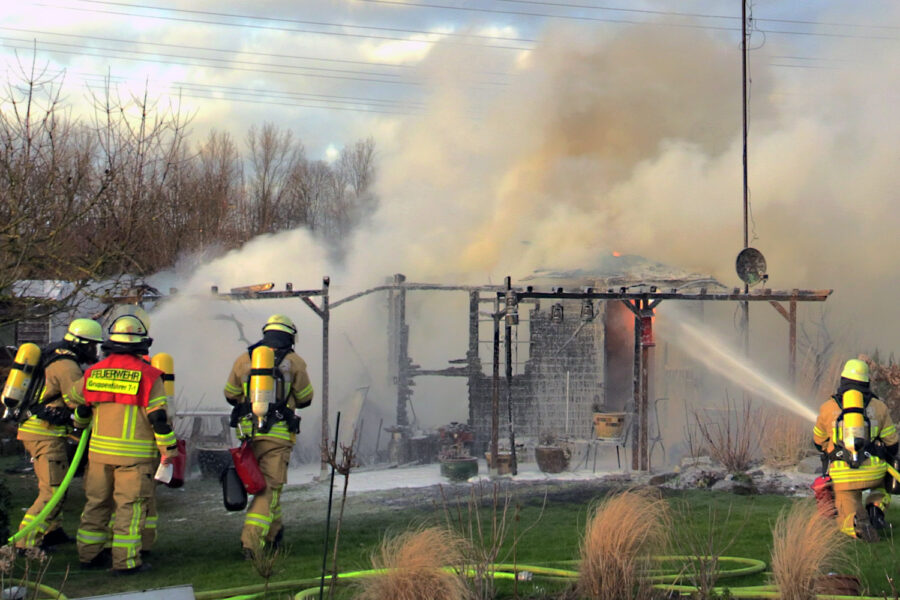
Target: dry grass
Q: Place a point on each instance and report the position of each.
(621, 534)
(805, 546)
(413, 564)
(786, 439)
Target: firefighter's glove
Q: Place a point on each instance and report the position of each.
(824, 458)
(83, 414)
(54, 415)
(239, 411)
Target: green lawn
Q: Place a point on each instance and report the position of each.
(198, 540)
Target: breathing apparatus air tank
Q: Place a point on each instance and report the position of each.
(18, 382)
(854, 433)
(165, 363)
(262, 382)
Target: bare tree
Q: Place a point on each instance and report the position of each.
(219, 193)
(274, 156)
(141, 151)
(357, 165)
(46, 188)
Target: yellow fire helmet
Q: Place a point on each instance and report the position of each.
(856, 369)
(280, 323)
(84, 331)
(127, 329)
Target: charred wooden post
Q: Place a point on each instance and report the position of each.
(790, 314)
(646, 344)
(398, 351)
(495, 392)
(511, 317)
(636, 375)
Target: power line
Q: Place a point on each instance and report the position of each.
(406, 4)
(199, 58)
(519, 13)
(697, 15)
(626, 10)
(212, 59)
(300, 22)
(223, 50)
(296, 95)
(297, 104)
(319, 59)
(284, 29)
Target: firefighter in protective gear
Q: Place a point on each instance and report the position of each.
(855, 432)
(125, 398)
(44, 433)
(273, 439)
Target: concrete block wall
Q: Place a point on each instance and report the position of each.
(541, 402)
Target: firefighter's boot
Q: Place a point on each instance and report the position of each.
(876, 517)
(864, 530)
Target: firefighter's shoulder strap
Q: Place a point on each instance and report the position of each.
(49, 355)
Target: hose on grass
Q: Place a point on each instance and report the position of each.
(60, 491)
(45, 591)
(666, 581)
(311, 586)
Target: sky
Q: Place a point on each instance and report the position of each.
(516, 135)
(339, 70)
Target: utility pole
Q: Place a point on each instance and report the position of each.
(745, 306)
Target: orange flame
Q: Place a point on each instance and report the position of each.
(616, 253)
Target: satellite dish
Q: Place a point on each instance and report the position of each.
(751, 266)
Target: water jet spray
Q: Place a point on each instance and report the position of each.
(702, 344)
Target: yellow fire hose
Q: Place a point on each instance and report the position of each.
(894, 473)
(60, 491)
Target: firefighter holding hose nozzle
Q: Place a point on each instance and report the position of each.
(266, 385)
(858, 440)
(48, 422)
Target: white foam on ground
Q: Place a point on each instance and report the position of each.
(418, 476)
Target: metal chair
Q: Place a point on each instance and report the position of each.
(619, 441)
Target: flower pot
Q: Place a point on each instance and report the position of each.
(551, 459)
(838, 585)
(504, 462)
(609, 425)
(459, 469)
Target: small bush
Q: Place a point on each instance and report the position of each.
(621, 534)
(733, 438)
(413, 565)
(805, 546)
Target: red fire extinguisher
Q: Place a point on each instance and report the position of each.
(248, 468)
(824, 493)
(178, 464)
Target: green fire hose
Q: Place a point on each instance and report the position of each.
(60, 491)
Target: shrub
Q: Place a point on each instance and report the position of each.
(805, 546)
(621, 534)
(413, 567)
(733, 438)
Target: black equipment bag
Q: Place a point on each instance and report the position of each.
(233, 492)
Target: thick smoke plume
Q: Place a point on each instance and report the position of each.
(628, 141)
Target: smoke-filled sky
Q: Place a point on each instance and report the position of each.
(516, 134)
